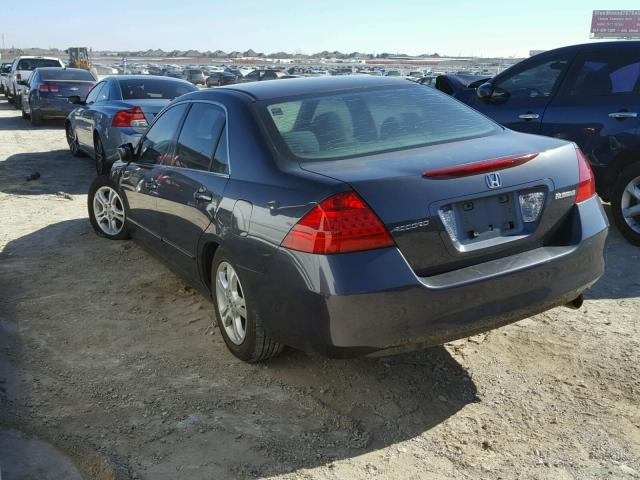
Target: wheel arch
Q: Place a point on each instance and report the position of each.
(207, 252)
(620, 162)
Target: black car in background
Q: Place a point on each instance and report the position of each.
(217, 79)
(346, 215)
(589, 94)
(47, 91)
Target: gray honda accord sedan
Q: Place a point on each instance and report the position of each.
(353, 215)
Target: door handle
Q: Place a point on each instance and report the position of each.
(529, 116)
(623, 115)
(203, 196)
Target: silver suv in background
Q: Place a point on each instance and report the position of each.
(21, 70)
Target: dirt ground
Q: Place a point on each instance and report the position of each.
(111, 368)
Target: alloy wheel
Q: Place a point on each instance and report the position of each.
(231, 303)
(630, 204)
(108, 210)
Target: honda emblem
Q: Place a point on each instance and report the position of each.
(493, 180)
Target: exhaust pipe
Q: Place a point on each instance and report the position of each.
(576, 303)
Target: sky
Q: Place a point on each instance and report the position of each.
(451, 27)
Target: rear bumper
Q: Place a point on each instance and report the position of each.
(353, 304)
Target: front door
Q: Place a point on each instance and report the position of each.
(192, 183)
(81, 116)
(521, 95)
(141, 179)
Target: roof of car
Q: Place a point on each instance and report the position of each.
(62, 68)
(30, 57)
(595, 46)
(268, 90)
(143, 77)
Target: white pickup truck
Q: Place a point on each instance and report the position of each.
(21, 70)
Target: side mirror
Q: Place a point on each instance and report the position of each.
(24, 83)
(485, 90)
(75, 99)
(126, 153)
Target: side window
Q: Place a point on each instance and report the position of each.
(157, 142)
(103, 95)
(603, 73)
(221, 157)
(93, 94)
(533, 82)
(199, 137)
(255, 75)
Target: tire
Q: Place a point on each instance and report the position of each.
(102, 167)
(107, 209)
(72, 141)
(622, 199)
(17, 101)
(36, 118)
(256, 345)
(25, 115)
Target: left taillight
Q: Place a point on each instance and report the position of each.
(586, 182)
(339, 224)
(132, 117)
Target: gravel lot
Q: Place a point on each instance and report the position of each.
(111, 368)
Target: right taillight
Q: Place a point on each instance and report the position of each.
(132, 117)
(586, 183)
(339, 224)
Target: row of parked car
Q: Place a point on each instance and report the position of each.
(349, 214)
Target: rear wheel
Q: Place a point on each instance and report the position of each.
(36, 118)
(107, 211)
(72, 141)
(238, 322)
(25, 115)
(625, 203)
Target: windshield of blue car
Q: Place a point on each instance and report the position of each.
(367, 122)
(153, 89)
(63, 74)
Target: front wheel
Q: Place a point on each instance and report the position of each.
(107, 211)
(239, 323)
(625, 203)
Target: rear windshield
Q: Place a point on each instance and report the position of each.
(367, 122)
(195, 72)
(66, 75)
(153, 89)
(33, 63)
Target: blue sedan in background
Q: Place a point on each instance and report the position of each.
(352, 215)
(588, 94)
(116, 111)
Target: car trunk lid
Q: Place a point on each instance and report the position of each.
(445, 222)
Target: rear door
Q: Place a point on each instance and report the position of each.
(521, 95)
(90, 116)
(598, 106)
(141, 179)
(192, 182)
